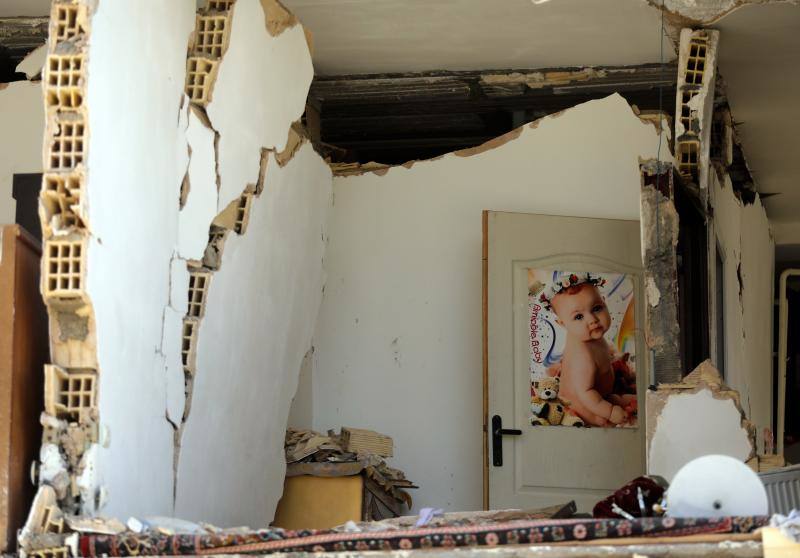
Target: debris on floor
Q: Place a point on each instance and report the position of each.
(564, 531)
(349, 453)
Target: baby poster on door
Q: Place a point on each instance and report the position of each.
(582, 349)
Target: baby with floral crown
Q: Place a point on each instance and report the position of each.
(586, 371)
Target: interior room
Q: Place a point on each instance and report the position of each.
(289, 276)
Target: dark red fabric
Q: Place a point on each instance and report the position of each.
(627, 499)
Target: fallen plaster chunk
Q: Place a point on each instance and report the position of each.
(53, 470)
(698, 416)
(256, 100)
(33, 64)
(201, 203)
(96, 525)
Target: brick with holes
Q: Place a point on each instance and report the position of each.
(70, 394)
(189, 344)
(211, 35)
(199, 280)
(219, 5)
(61, 202)
(65, 150)
(64, 79)
(64, 268)
(200, 76)
(68, 21)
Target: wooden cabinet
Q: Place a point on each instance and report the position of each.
(23, 352)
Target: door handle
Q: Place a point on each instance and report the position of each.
(497, 439)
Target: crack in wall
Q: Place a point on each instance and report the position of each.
(235, 217)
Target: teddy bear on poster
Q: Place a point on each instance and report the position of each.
(547, 408)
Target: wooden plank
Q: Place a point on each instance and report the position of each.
(485, 351)
(23, 352)
(7, 249)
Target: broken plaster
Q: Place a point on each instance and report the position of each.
(659, 223)
(658, 120)
(694, 13)
(674, 411)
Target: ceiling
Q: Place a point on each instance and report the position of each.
(759, 58)
(15, 8)
(377, 36)
(759, 55)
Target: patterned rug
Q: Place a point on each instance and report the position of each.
(513, 532)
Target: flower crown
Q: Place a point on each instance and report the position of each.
(566, 280)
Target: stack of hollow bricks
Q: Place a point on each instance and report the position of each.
(70, 385)
(209, 43)
(693, 73)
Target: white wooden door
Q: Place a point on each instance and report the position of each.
(548, 465)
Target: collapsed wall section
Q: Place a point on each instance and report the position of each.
(259, 316)
(266, 237)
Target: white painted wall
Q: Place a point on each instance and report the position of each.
(398, 342)
(263, 302)
(137, 158)
(744, 236)
(259, 320)
(261, 89)
(22, 117)
(677, 439)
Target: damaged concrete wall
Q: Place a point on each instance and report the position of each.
(22, 115)
(747, 250)
(200, 228)
(136, 160)
(398, 342)
(250, 348)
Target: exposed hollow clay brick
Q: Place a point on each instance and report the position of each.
(64, 77)
(689, 159)
(198, 288)
(66, 149)
(44, 518)
(68, 21)
(69, 394)
(686, 110)
(189, 344)
(696, 61)
(64, 268)
(200, 75)
(57, 552)
(211, 35)
(61, 198)
(243, 213)
(219, 5)
(52, 520)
